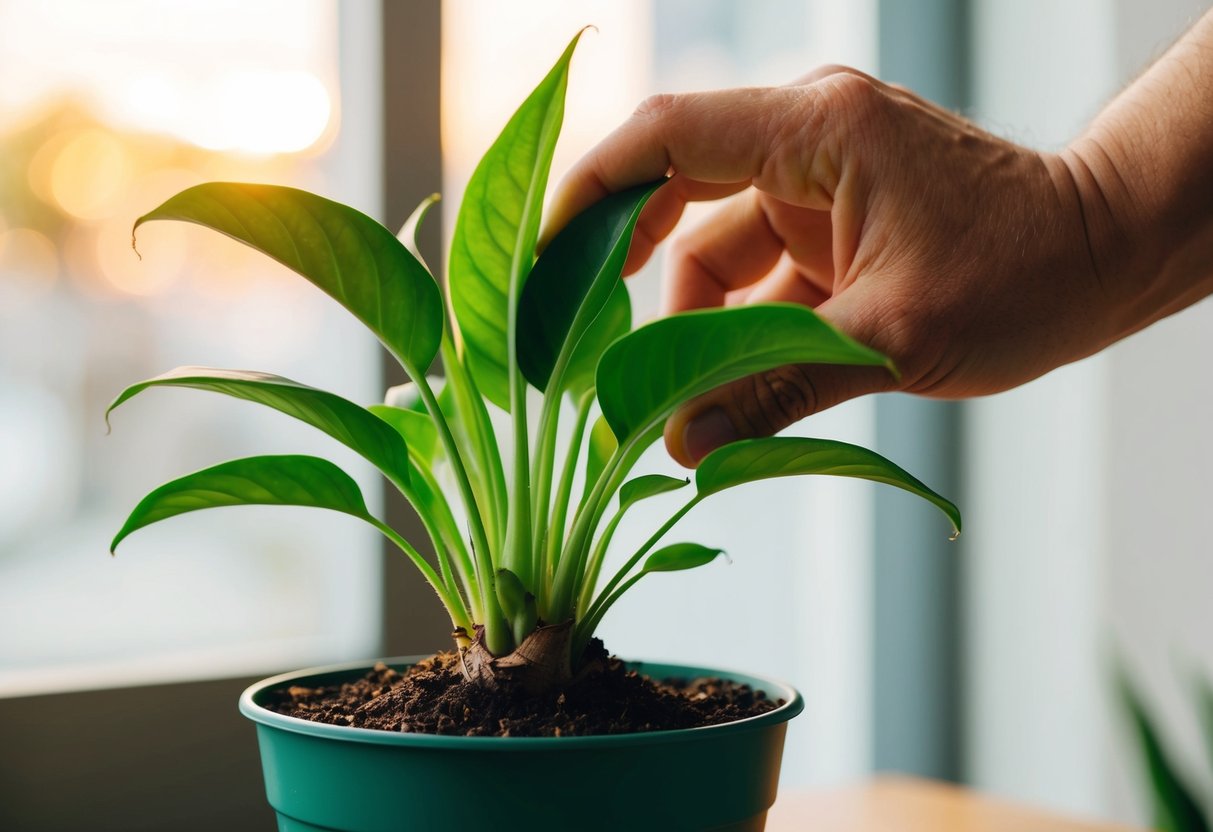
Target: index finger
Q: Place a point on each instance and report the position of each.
(719, 137)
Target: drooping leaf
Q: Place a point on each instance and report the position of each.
(570, 287)
(679, 556)
(644, 375)
(352, 425)
(647, 485)
(418, 429)
(260, 480)
(1175, 808)
(494, 242)
(790, 456)
(345, 253)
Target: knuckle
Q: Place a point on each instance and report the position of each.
(781, 396)
(852, 94)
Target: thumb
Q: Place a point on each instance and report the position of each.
(766, 403)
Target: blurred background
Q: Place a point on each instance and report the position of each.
(987, 661)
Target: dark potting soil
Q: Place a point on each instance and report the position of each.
(432, 697)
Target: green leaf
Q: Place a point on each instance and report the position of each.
(600, 448)
(417, 429)
(511, 593)
(348, 255)
(353, 426)
(494, 242)
(260, 480)
(1175, 808)
(788, 456)
(644, 375)
(679, 556)
(408, 232)
(648, 485)
(573, 283)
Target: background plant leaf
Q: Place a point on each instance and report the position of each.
(260, 480)
(679, 556)
(644, 375)
(749, 460)
(353, 426)
(348, 255)
(574, 284)
(1175, 808)
(498, 225)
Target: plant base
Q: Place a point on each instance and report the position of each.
(331, 777)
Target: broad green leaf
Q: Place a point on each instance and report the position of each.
(345, 253)
(599, 449)
(789, 456)
(612, 323)
(644, 375)
(679, 556)
(1175, 808)
(260, 480)
(569, 289)
(353, 426)
(417, 429)
(647, 485)
(494, 242)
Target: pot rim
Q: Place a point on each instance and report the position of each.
(793, 705)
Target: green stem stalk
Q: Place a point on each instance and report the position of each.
(497, 635)
(428, 573)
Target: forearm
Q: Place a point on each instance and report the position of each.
(1144, 172)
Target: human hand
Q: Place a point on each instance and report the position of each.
(965, 258)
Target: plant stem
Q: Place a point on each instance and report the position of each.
(452, 607)
(449, 530)
(589, 580)
(564, 491)
(641, 552)
(471, 406)
(497, 635)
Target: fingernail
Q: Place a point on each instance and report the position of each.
(707, 432)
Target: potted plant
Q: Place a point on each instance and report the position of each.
(525, 589)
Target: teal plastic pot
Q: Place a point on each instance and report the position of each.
(332, 777)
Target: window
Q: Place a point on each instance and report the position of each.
(106, 110)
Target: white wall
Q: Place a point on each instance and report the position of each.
(1086, 495)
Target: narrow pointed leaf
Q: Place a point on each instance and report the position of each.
(345, 253)
(648, 485)
(679, 556)
(261, 480)
(417, 429)
(789, 456)
(412, 227)
(497, 227)
(1175, 808)
(573, 283)
(644, 375)
(348, 423)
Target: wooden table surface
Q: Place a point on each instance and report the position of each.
(895, 804)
